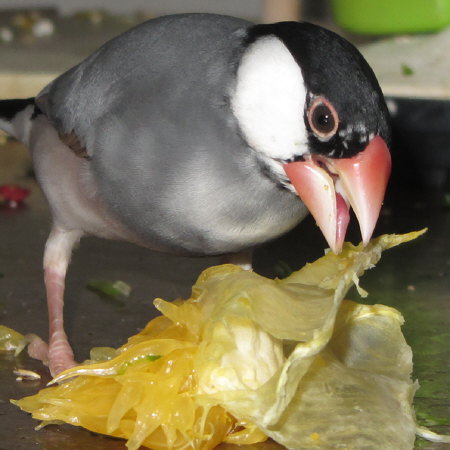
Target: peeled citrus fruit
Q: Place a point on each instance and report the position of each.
(246, 357)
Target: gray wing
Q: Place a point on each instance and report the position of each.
(149, 60)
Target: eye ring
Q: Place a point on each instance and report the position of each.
(323, 118)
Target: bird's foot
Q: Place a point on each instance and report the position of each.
(37, 348)
(58, 356)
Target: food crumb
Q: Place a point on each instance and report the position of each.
(315, 436)
(26, 375)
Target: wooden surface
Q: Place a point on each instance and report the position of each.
(281, 10)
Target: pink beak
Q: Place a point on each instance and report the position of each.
(328, 186)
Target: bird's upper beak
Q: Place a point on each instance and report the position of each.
(328, 186)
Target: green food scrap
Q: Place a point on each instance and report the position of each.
(116, 291)
(407, 71)
(430, 420)
(421, 443)
(144, 358)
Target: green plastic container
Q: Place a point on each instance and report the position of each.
(391, 16)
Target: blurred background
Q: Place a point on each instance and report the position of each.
(407, 42)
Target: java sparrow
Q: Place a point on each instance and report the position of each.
(203, 134)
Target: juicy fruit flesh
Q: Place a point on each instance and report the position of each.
(144, 397)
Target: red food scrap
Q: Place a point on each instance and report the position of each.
(13, 195)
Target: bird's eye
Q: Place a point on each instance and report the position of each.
(323, 118)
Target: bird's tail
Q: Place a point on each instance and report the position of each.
(16, 116)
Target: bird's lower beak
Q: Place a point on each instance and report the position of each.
(328, 186)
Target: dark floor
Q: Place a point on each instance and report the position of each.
(414, 278)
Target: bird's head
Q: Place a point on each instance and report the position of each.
(311, 108)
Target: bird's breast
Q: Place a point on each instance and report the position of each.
(198, 200)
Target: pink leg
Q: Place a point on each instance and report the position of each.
(60, 354)
(58, 250)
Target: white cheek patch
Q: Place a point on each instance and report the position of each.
(269, 100)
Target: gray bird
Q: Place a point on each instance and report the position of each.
(202, 134)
